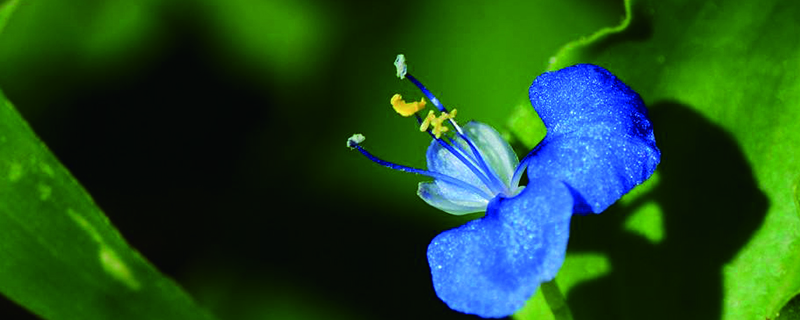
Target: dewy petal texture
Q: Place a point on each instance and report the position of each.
(599, 139)
(490, 267)
(599, 145)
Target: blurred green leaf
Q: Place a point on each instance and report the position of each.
(285, 38)
(721, 81)
(6, 8)
(536, 308)
(91, 41)
(61, 257)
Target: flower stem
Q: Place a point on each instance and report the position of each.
(556, 301)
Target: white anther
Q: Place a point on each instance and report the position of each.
(400, 64)
(355, 140)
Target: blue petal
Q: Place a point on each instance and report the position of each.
(490, 267)
(599, 139)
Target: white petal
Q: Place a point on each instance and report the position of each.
(443, 161)
(497, 153)
(453, 200)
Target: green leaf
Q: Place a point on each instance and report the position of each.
(718, 235)
(791, 311)
(6, 8)
(61, 257)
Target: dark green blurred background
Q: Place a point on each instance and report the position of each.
(212, 133)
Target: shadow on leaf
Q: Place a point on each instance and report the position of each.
(710, 206)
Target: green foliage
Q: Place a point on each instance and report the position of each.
(285, 38)
(791, 311)
(717, 235)
(326, 65)
(61, 257)
(713, 235)
(6, 8)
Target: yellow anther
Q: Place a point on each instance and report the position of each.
(427, 121)
(406, 109)
(439, 129)
(437, 123)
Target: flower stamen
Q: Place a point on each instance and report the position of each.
(354, 142)
(436, 123)
(402, 73)
(400, 64)
(406, 109)
(456, 151)
(460, 145)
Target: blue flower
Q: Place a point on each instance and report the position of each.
(599, 145)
